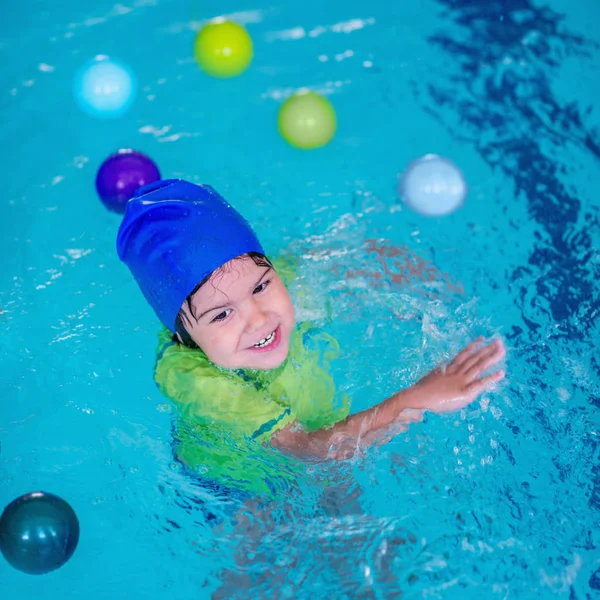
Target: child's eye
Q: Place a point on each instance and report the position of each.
(222, 315)
(261, 287)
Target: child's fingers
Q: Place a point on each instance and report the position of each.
(484, 360)
(466, 353)
(480, 385)
(477, 356)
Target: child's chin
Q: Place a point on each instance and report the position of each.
(269, 365)
(267, 362)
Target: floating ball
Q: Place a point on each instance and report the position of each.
(121, 174)
(433, 186)
(38, 533)
(105, 88)
(307, 120)
(223, 49)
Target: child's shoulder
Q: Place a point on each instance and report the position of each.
(180, 371)
(286, 266)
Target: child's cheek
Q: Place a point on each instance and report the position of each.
(222, 339)
(214, 341)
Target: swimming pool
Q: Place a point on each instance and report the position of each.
(501, 500)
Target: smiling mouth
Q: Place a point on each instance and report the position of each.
(267, 341)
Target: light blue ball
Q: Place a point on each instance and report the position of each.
(105, 88)
(433, 186)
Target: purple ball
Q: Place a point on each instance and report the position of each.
(121, 174)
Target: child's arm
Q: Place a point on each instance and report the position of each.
(446, 389)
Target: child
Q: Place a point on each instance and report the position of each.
(232, 359)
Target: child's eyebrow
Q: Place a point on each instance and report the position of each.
(210, 310)
(270, 268)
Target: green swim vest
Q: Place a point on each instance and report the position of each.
(226, 418)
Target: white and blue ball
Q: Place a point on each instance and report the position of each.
(433, 186)
(105, 88)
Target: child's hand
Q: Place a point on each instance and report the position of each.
(458, 384)
(443, 390)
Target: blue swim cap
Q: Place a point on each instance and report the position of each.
(175, 233)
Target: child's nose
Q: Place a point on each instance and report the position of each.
(256, 318)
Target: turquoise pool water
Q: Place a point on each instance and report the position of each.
(501, 500)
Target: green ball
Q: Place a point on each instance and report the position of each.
(223, 49)
(307, 120)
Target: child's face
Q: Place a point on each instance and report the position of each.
(243, 317)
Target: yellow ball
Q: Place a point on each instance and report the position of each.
(223, 49)
(307, 120)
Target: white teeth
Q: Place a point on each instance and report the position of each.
(265, 341)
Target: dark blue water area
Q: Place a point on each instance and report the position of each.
(541, 140)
